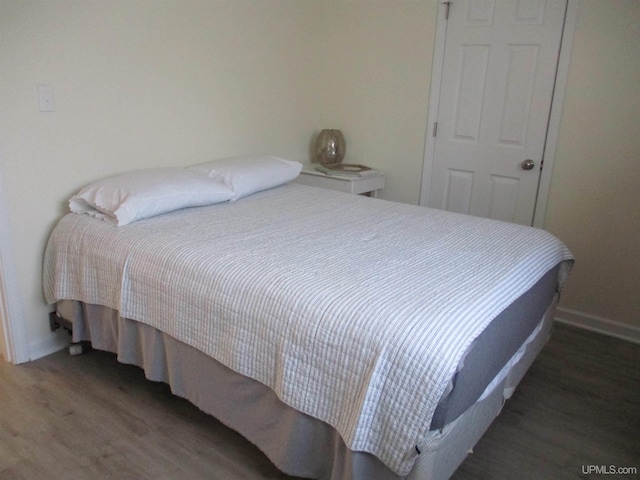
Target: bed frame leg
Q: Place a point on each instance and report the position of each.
(56, 322)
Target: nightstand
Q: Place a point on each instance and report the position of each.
(368, 184)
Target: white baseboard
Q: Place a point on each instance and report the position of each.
(53, 343)
(598, 324)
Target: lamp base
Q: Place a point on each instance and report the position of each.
(330, 147)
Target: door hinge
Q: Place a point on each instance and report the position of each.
(435, 129)
(447, 5)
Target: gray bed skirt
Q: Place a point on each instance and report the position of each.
(296, 443)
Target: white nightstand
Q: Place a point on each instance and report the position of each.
(370, 183)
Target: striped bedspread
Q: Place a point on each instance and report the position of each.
(353, 310)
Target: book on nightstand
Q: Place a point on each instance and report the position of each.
(345, 169)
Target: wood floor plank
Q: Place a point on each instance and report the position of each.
(65, 417)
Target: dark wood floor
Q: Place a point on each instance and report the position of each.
(576, 410)
(89, 417)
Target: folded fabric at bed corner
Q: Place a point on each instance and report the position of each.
(250, 174)
(127, 197)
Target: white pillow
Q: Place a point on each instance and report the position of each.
(247, 175)
(125, 198)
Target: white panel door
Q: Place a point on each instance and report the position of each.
(499, 71)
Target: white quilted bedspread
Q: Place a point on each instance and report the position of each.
(353, 310)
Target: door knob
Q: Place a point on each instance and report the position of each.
(528, 164)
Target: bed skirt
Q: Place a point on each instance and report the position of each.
(296, 443)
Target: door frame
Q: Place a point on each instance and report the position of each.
(12, 317)
(14, 334)
(553, 127)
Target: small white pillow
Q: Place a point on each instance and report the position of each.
(247, 175)
(125, 198)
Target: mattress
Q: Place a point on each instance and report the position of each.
(490, 352)
(281, 285)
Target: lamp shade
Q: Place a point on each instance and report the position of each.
(330, 147)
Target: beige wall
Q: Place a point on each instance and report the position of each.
(137, 84)
(157, 83)
(377, 56)
(594, 203)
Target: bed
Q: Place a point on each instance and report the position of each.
(347, 337)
